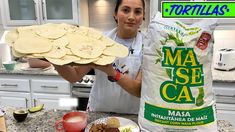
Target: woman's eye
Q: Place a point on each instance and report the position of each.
(138, 12)
(125, 10)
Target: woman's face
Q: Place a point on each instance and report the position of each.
(130, 15)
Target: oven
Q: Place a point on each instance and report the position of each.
(81, 90)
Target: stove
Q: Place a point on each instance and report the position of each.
(81, 91)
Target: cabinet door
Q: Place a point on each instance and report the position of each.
(59, 11)
(20, 12)
(14, 85)
(155, 6)
(50, 101)
(15, 99)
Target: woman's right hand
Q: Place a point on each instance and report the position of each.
(37, 63)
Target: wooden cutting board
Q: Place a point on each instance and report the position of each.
(2, 124)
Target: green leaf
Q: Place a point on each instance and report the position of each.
(157, 60)
(159, 52)
(169, 72)
(163, 42)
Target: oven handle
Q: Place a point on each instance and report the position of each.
(81, 94)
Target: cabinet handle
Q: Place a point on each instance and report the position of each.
(34, 102)
(49, 86)
(9, 85)
(43, 16)
(26, 100)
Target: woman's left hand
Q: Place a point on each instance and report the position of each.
(108, 69)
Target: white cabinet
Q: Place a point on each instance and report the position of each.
(15, 92)
(29, 12)
(50, 101)
(30, 90)
(225, 100)
(49, 92)
(16, 99)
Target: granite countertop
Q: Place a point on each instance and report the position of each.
(24, 69)
(43, 121)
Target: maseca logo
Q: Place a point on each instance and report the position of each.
(187, 74)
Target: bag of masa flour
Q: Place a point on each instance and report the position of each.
(176, 91)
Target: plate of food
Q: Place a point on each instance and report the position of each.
(112, 124)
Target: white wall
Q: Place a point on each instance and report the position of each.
(0, 17)
(224, 39)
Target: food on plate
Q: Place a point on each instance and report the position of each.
(98, 127)
(113, 122)
(111, 130)
(54, 42)
(36, 108)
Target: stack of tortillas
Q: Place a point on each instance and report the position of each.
(61, 44)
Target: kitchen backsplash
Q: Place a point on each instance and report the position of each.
(224, 39)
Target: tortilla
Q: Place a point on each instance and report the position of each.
(11, 37)
(29, 45)
(57, 51)
(50, 31)
(64, 60)
(107, 41)
(85, 60)
(94, 34)
(69, 28)
(117, 50)
(17, 54)
(104, 60)
(61, 41)
(89, 49)
(82, 30)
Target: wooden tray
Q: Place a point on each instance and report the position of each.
(2, 124)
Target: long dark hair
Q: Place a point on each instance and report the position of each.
(119, 2)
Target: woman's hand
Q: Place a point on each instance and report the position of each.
(108, 69)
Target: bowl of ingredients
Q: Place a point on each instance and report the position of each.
(9, 65)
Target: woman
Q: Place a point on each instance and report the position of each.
(117, 86)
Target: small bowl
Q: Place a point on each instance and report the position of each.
(10, 65)
(20, 115)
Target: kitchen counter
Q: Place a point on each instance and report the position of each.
(44, 120)
(223, 76)
(23, 69)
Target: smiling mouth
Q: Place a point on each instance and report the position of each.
(130, 24)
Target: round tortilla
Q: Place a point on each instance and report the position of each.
(11, 37)
(107, 41)
(89, 49)
(30, 45)
(57, 51)
(94, 33)
(104, 60)
(17, 54)
(64, 60)
(117, 50)
(86, 60)
(63, 41)
(50, 31)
